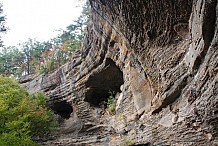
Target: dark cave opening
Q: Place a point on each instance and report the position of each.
(62, 108)
(99, 86)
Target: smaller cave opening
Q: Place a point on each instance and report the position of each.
(62, 108)
(101, 85)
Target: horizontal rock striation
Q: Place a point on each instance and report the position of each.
(158, 59)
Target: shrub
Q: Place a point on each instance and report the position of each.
(111, 106)
(22, 116)
(127, 143)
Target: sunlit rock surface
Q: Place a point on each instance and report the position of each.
(159, 58)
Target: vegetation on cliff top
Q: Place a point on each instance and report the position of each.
(34, 57)
(22, 116)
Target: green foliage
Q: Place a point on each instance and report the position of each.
(36, 57)
(22, 116)
(10, 59)
(111, 106)
(41, 118)
(127, 143)
(11, 139)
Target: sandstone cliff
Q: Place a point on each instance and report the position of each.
(159, 57)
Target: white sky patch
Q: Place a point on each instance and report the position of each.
(39, 19)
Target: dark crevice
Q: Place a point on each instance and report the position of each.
(152, 34)
(52, 87)
(208, 30)
(209, 22)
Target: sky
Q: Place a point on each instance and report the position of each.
(37, 19)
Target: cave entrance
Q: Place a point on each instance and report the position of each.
(100, 84)
(62, 108)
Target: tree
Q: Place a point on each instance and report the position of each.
(74, 32)
(22, 116)
(78, 27)
(10, 60)
(33, 55)
(43, 57)
(28, 53)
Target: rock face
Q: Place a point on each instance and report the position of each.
(160, 60)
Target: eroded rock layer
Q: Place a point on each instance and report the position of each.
(158, 58)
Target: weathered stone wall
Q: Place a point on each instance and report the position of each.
(159, 57)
